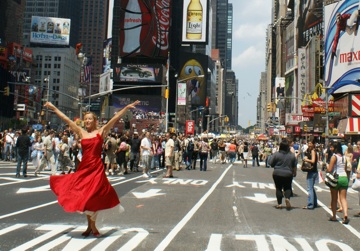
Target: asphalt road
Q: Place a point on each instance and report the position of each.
(226, 208)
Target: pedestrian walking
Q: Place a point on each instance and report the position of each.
(284, 164)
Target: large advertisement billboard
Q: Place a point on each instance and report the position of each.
(50, 30)
(147, 104)
(309, 20)
(195, 15)
(342, 46)
(144, 28)
(193, 72)
(143, 73)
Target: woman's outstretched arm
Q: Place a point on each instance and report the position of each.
(64, 118)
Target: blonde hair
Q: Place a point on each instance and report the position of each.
(92, 114)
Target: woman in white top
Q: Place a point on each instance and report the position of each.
(37, 152)
(337, 164)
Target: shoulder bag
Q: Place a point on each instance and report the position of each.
(331, 179)
(306, 166)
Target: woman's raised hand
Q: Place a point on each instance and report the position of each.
(49, 105)
(133, 105)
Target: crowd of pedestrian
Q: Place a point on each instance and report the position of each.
(61, 153)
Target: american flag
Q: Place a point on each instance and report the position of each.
(87, 70)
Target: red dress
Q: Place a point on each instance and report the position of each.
(88, 189)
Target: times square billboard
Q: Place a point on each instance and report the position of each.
(50, 30)
(342, 46)
(144, 28)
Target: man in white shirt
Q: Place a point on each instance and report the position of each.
(48, 154)
(169, 156)
(146, 154)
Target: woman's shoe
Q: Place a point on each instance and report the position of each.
(332, 219)
(345, 220)
(86, 233)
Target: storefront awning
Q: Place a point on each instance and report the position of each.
(349, 126)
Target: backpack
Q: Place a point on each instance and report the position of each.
(214, 146)
(190, 146)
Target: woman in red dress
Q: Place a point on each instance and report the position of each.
(88, 189)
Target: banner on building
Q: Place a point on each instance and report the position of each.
(189, 127)
(144, 28)
(105, 82)
(195, 20)
(107, 55)
(181, 94)
(309, 21)
(50, 30)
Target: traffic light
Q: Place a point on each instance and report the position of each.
(305, 128)
(7, 91)
(269, 107)
(226, 119)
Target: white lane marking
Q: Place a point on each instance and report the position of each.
(261, 198)
(54, 230)
(214, 242)
(349, 227)
(11, 228)
(34, 189)
(148, 194)
(189, 215)
(27, 210)
(54, 202)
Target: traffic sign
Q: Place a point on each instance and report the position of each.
(333, 114)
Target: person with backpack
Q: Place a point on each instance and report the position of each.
(110, 147)
(195, 154)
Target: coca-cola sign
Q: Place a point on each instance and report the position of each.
(189, 127)
(144, 28)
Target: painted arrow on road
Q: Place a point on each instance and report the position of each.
(34, 189)
(148, 194)
(260, 197)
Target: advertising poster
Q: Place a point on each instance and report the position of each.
(181, 97)
(139, 73)
(147, 103)
(50, 30)
(105, 82)
(189, 127)
(309, 21)
(195, 15)
(342, 46)
(107, 55)
(144, 28)
(193, 71)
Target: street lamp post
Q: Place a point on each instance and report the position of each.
(47, 80)
(83, 59)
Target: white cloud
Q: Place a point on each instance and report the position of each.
(249, 57)
(247, 31)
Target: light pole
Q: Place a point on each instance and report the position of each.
(181, 81)
(83, 59)
(47, 80)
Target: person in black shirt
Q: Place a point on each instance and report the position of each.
(135, 152)
(22, 144)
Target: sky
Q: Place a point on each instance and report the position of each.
(250, 21)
